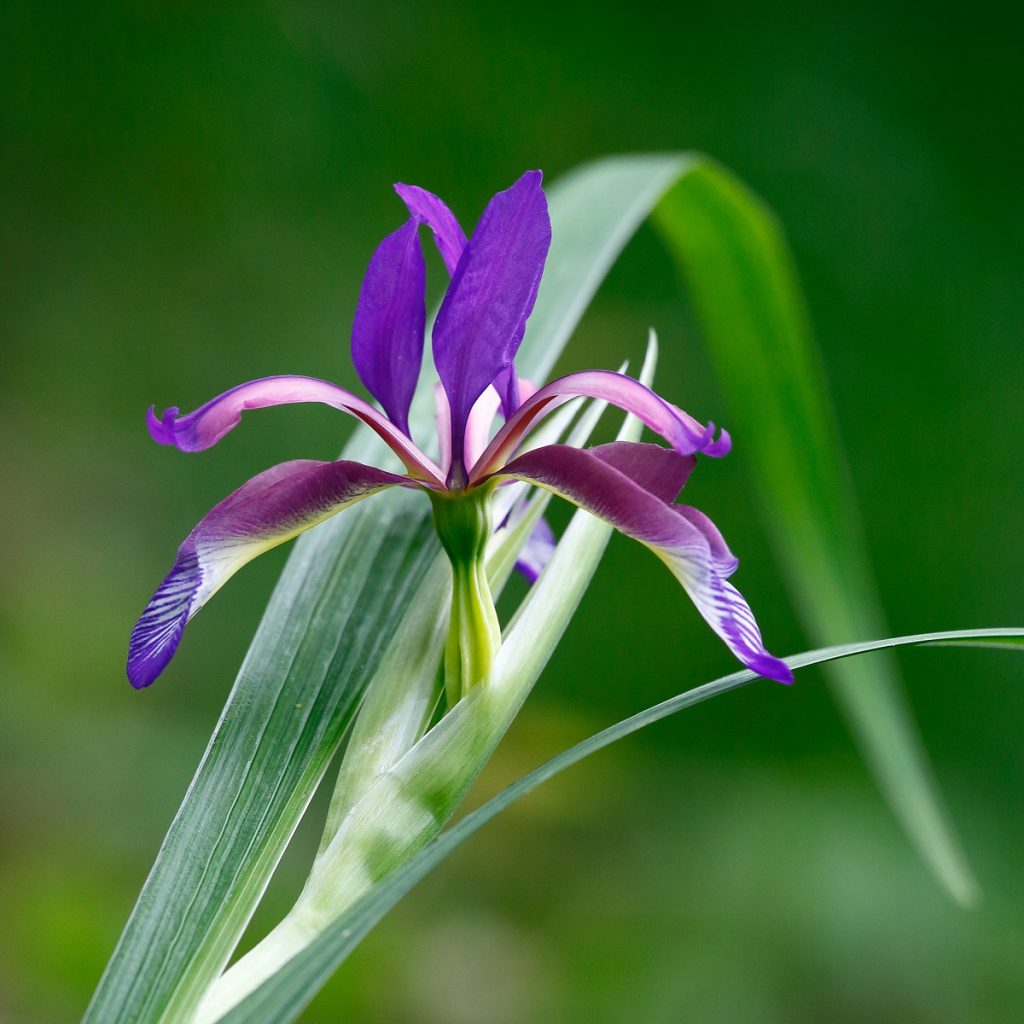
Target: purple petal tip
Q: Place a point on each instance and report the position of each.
(722, 445)
(145, 665)
(157, 634)
(161, 428)
(771, 668)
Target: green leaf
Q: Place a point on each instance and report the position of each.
(344, 591)
(413, 794)
(341, 597)
(283, 997)
(734, 260)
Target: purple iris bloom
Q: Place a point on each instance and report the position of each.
(494, 279)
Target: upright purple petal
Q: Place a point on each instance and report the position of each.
(271, 508)
(682, 431)
(390, 320)
(203, 428)
(483, 316)
(430, 210)
(507, 386)
(696, 556)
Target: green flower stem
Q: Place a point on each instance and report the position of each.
(401, 698)
(463, 523)
(409, 804)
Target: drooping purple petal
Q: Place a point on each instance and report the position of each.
(673, 533)
(271, 508)
(682, 431)
(390, 320)
(662, 471)
(537, 551)
(203, 428)
(430, 210)
(483, 316)
(725, 561)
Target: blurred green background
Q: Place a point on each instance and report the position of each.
(190, 194)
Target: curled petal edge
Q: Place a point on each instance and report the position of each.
(431, 210)
(203, 428)
(686, 435)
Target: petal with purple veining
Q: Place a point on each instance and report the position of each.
(266, 511)
(680, 542)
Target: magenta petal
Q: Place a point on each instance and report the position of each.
(430, 210)
(483, 316)
(390, 320)
(661, 471)
(203, 428)
(271, 508)
(677, 539)
(682, 431)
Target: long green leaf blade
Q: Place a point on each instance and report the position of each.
(734, 259)
(282, 998)
(735, 263)
(340, 598)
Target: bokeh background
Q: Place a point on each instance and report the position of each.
(189, 195)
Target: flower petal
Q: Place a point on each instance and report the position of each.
(203, 428)
(483, 316)
(479, 423)
(725, 561)
(679, 540)
(271, 508)
(443, 422)
(390, 320)
(430, 210)
(535, 554)
(682, 431)
(662, 471)
(507, 386)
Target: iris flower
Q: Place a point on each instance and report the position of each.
(494, 279)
